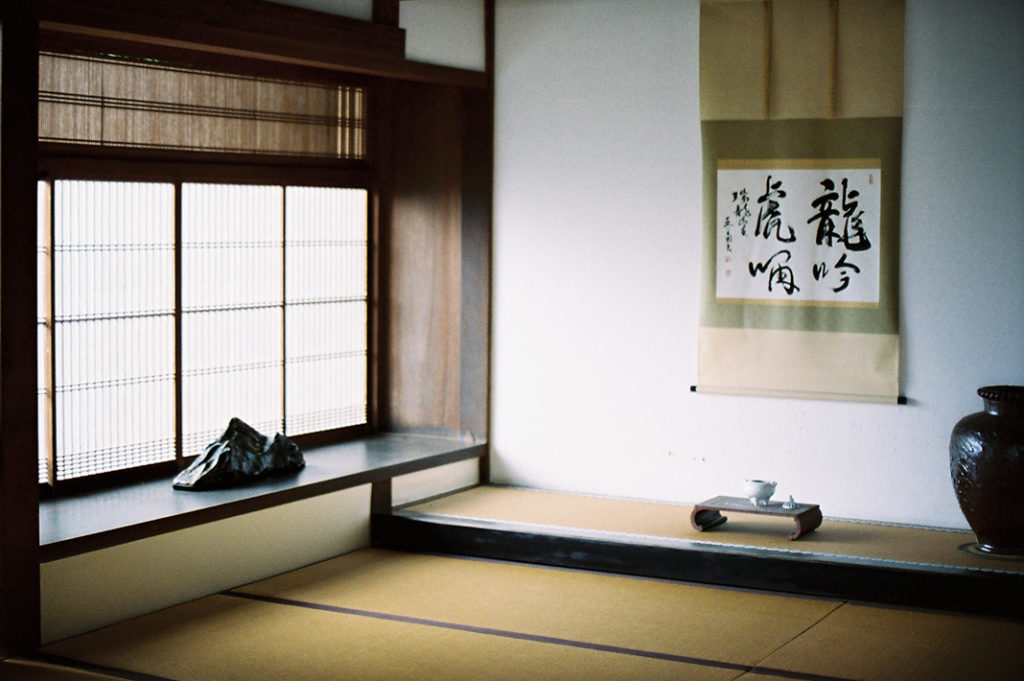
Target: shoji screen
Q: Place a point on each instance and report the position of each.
(231, 323)
(112, 379)
(325, 319)
(168, 308)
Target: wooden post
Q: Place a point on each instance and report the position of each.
(385, 12)
(19, 487)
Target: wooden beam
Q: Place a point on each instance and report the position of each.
(385, 12)
(250, 30)
(19, 487)
(245, 24)
(380, 496)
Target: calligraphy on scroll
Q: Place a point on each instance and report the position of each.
(798, 232)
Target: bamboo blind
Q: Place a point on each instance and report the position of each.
(120, 102)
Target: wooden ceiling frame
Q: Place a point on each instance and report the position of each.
(249, 30)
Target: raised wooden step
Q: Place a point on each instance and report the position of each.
(594, 533)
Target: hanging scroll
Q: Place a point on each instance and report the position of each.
(801, 104)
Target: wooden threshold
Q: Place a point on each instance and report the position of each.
(87, 522)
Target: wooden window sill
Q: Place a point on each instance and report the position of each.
(87, 522)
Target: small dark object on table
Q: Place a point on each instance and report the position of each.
(706, 514)
(241, 455)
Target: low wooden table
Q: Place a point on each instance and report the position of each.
(706, 514)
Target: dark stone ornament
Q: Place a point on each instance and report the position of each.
(986, 460)
(241, 455)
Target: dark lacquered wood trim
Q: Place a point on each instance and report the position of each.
(248, 30)
(990, 593)
(475, 303)
(59, 41)
(478, 206)
(381, 496)
(241, 24)
(101, 516)
(381, 111)
(19, 525)
(490, 27)
(100, 481)
(324, 438)
(179, 344)
(101, 163)
(477, 202)
(385, 12)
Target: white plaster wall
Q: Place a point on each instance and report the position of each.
(444, 32)
(433, 482)
(353, 9)
(597, 255)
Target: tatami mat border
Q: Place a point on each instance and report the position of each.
(536, 638)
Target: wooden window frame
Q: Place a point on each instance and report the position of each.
(59, 161)
(135, 167)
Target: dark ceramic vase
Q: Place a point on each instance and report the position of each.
(986, 460)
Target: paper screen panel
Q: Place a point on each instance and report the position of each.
(44, 324)
(231, 321)
(326, 308)
(113, 325)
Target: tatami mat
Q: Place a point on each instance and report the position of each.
(603, 515)
(221, 638)
(377, 614)
(658, 616)
(889, 644)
